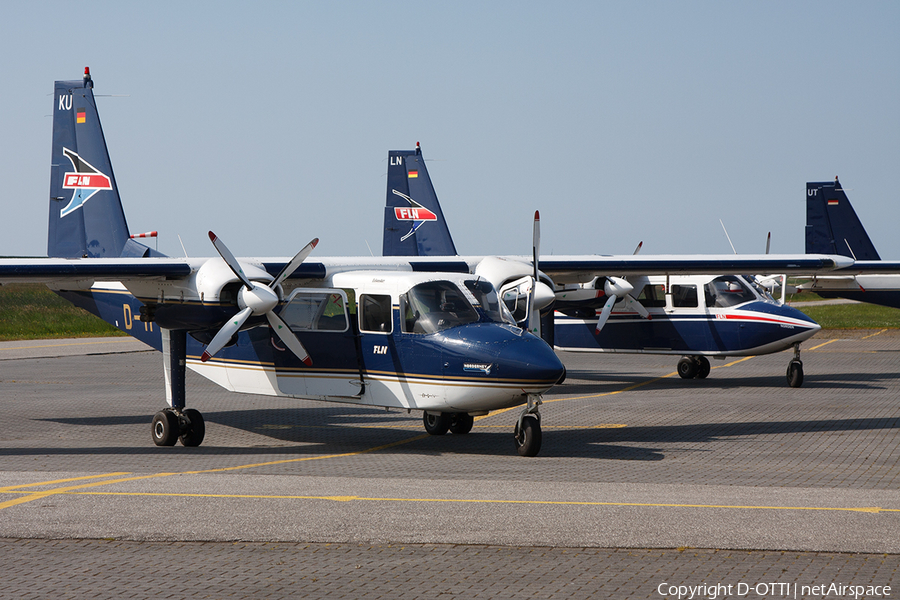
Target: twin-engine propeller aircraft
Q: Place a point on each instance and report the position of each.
(392, 333)
(833, 226)
(415, 332)
(696, 316)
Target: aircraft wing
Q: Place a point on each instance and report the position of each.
(871, 267)
(60, 270)
(574, 269)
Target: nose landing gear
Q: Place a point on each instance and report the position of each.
(795, 369)
(527, 434)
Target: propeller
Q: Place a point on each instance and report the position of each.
(616, 288)
(257, 299)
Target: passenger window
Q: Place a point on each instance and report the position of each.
(653, 296)
(315, 310)
(684, 296)
(375, 313)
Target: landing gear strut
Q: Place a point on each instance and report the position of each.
(795, 369)
(176, 422)
(693, 367)
(528, 428)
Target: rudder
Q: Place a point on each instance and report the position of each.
(832, 226)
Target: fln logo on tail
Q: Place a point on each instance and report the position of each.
(86, 180)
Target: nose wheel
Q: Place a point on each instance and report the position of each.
(527, 433)
(795, 369)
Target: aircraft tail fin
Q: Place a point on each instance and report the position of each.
(832, 226)
(86, 214)
(414, 223)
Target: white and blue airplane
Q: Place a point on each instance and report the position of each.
(833, 226)
(415, 332)
(665, 311)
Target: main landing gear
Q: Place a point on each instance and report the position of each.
(439, 424)
(170, 425)
(176, 422)
(693, 367)
(527, 434)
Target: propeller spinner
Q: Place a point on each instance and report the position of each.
(256, 299)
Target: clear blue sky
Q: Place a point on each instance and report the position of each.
(270, 123)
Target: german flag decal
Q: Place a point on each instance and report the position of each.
(413, 173)
(79, 115)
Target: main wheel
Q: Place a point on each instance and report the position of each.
(165, 428)
(703, 367)
(436, 424)
(461, 423)
(528, 437)
(795, 373)
(196, 429)
(687, 368)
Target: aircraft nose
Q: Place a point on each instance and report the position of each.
(530, 359)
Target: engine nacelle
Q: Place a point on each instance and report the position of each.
(215, 275)
(500, 271)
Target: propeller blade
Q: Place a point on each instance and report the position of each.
(604, 314)
(634, 304)
(287, 336)
(295, 262)
(768, 241)
(638, 249)
(225, 334)
(536, 242)
(534, 319)
(229, 259)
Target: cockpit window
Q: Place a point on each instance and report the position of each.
(726, 291)
(487, 297)
(434, 306)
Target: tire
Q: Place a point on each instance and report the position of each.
(436, 424)
(528, 439)
(193, 436)
(164, 428)
(703, 367)
(461, 423)
(687, 368)
(795, 374)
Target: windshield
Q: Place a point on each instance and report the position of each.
(487, 297)
(434, 306)
(727, 290)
